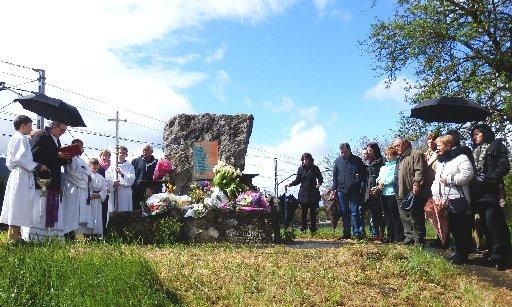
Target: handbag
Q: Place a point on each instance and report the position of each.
(456, 205)
(408, 202)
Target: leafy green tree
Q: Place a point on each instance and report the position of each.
(455, 48)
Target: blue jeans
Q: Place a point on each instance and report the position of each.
(350, 209)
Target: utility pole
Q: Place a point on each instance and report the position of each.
(41, 80)
(275, 178)
(117, 120)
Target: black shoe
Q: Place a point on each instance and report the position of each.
(458, 260)
(436, 244)
(452, 256)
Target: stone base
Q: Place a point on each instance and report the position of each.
(130, 226)
(234, 227)
(214, 227)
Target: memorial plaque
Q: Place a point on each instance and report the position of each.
(205, 156)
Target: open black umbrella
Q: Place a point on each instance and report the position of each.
(52, 108)
(449, 110)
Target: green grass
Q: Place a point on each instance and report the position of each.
(57, 274)
(359, 274)
(79, 274)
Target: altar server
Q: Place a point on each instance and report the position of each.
(76, 192)
(20, 189)
(98, 191)
(122, 199)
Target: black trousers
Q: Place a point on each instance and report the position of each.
(311, 207)
(460, 228)
(494, 227)
(395, 229)
(104, 212)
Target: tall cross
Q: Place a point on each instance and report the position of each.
(117, 120)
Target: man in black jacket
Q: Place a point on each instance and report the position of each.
(144, 169)
(46, 151)
(348, 180)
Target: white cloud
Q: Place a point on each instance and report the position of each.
(82, 45)
(286, 105)
(321, 6)
(218, 88)
(302, 138)
(394, 91)
(217, 55)
(341, 15)
(328, 8)
(183, 59)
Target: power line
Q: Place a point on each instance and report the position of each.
(92, 132)
(103, 102)
(30, 81)
(18, 65)
(14, 75)
(269, 152)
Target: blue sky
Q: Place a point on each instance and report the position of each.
(295, 65)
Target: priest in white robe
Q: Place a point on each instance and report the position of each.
(98, 191)
(20, 189)
(46, 215)
(120, 198)
(75, 193)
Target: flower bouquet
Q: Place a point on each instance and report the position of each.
(195, 210)
(217, 200)
(227, 178)
(199, 191)
(252, 201)
(158, 203)
(162, 168)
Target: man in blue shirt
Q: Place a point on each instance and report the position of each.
(348, 181)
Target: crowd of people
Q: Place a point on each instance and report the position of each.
(79, 203)
(459, 189)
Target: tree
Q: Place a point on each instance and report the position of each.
(454, 47)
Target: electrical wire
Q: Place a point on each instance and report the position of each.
(14, 75)
(103, 102)
(18, 65)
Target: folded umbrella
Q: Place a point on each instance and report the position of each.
(52, 108)
(450, 110)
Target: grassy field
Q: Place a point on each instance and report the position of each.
(60, 274)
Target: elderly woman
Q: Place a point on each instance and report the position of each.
(310, 179)
(491, 164)
(451, 191)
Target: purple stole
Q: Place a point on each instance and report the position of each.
(52, 208)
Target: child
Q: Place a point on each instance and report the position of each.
(20, 189)
(98, 191)
(75, 192)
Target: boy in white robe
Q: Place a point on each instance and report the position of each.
(98, 191)
(122, 199)
(20, 189)
(75, 193)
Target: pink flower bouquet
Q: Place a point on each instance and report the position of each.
(163, 167)
(252, 201)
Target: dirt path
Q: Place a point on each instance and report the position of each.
(476, 266)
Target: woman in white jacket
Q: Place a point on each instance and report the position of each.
(454, 172)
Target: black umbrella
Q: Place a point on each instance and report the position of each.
(449, 110)
(52, 108)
